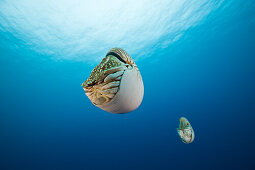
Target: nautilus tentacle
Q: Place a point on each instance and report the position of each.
(115, 85)
(185, 131)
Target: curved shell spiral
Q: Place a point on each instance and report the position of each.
(115, 85)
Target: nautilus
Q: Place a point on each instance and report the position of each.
(115, 85)
(185, 131)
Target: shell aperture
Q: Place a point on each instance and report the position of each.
(185, 131)
(115, 85)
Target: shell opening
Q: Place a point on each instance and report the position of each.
(115, 55)
(104, 87)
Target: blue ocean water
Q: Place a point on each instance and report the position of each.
(197, 60)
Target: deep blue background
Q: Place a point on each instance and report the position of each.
(208, 76)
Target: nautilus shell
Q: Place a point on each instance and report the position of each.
(115, 85)
(185, 131)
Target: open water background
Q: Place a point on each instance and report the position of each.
(197, 60)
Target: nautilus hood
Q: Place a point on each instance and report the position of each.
(115, 85)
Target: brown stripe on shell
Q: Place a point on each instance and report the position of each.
(124, 55)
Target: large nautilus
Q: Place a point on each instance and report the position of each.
(185, 131)
(115, 85)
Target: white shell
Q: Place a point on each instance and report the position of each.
(115, 85)
(130, 94)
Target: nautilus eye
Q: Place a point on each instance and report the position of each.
(185, 131)
(115, 85)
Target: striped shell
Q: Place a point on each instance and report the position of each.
(115, 85)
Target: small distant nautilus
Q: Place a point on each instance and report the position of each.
(115, 85)
(185, 131)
